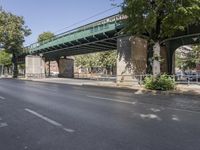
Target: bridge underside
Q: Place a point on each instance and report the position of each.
(97, 43)
(82, 46)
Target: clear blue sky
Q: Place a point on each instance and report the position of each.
(54, 15)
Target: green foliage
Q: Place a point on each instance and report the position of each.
(5, 58)
(188, 60)
(196, 53)
(22, 66)
(45, 36)
(101, 59)
(162, 82)
(87, 60)
(12, 34)
(160, 19)
(107, 59)
(12, 31)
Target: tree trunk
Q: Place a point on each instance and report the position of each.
(49, 66)
(149, 59)
(15, 67)
(156, 60)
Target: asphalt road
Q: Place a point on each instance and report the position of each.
(42, 116)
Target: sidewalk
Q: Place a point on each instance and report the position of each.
(76, 81)
(191, 89)
(188, 89)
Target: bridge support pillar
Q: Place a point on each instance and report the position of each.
(132, 60)
(66, 67)
(35, 67)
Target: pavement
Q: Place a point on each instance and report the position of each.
(52, 116)
(185, 89)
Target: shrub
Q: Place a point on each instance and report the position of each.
(162, 82)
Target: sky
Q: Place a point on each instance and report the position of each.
(57, 15)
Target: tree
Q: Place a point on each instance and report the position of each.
(101, 59)
(5, 59)
(157, 20)
(45, 36)
(87, 60)
(188, 59)
(12, 33)
(196, 53)
(107, 59)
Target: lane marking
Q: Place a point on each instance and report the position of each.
(4, 124)
(178, 109)
(68, 130)
(133, 103)
(1, 97)
(109, 99)
(49, 120)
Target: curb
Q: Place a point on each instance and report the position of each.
(141, 90)
(147, 91)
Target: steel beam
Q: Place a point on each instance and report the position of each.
(78, 45)
(103, 45)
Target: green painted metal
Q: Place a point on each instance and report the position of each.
(98, 30)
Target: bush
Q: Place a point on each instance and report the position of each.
(162, 82)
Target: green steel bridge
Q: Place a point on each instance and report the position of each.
(98, 36)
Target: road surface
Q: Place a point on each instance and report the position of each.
(43, 116)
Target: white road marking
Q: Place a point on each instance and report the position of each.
(150, 116)
(109, 99)
(49, 120)
(133, 103)
(68, 130)
(1, 97)
(4, 124)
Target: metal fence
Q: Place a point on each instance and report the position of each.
(187, 79)
(184, 79)
(95, 76)
(139, 79)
